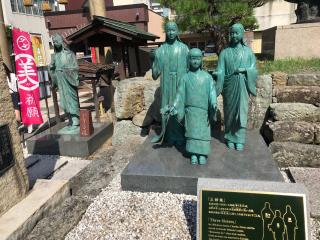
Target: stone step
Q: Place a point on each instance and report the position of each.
(301, 94)
(295, 112)
(310, 177)
(287, 131)
(21, 219)
(291, 154)
(303, 80)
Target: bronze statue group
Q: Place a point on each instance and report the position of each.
(189, 94)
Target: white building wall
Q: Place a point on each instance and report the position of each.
(275, 13)
(29, 23)
(128, 2)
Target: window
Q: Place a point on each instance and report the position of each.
(18, 7)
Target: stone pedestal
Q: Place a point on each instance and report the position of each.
(160, 169)
(51, 143)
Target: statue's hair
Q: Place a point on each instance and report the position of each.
(194, 50)
(171, 23)
(239, 26)
(55, 36)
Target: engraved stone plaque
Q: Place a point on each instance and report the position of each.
(242, 214)
(6, 154)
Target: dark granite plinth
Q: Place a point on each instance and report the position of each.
(50, 142)
(163, 169)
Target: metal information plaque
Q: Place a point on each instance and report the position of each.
(6, 154)
(252, 215)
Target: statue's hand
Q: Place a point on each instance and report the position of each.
(165, 110)
(214, 74)
(173, 111)
(240, 70)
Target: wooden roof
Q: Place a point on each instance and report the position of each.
(119, 29)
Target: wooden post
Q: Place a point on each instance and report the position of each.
(55, 105)
(95, 98)
(138, 60)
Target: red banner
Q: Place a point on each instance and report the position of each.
(28, 82)
(93, 55)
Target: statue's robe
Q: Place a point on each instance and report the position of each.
(64, 74)
(195, 104)
(235, 89)
(171, 62)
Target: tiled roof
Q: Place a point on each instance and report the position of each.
(123, 27)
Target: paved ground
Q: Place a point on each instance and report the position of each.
(99, 209)
(96, 197)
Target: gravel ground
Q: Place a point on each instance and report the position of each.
(117, 214)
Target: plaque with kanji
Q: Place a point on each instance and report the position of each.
(6, 154)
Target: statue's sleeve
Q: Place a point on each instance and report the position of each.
(179, 103)
(212, 99)
(156, 65)
(251, 73)
(221, 69)
(72, 69)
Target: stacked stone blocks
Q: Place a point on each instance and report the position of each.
(293, 127)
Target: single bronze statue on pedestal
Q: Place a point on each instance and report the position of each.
(196, 104)
(170, 61)
(64, 74)
(236, 79)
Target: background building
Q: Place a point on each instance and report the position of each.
(30, 19)
(273, 13)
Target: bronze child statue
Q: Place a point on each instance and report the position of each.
(195, 103)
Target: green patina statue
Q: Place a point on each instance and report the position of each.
(170, 60)
(64, 74)
(236, 79)
(196, 104)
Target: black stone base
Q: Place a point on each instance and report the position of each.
(50, 142)
(163, 169)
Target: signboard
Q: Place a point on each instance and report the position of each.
(28, 82)
(38, 50)
(252, 215)
(6, 154)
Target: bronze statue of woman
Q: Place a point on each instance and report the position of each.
(236, 79)
(64, 72)
(170, 61)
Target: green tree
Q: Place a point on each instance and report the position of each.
(214, 16)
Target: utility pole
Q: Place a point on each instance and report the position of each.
(97, 8)
(4, 46)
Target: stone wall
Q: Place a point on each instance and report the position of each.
(137, 106)
(14, 183)
(294, 120)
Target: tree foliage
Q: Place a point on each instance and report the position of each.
(214, 16)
